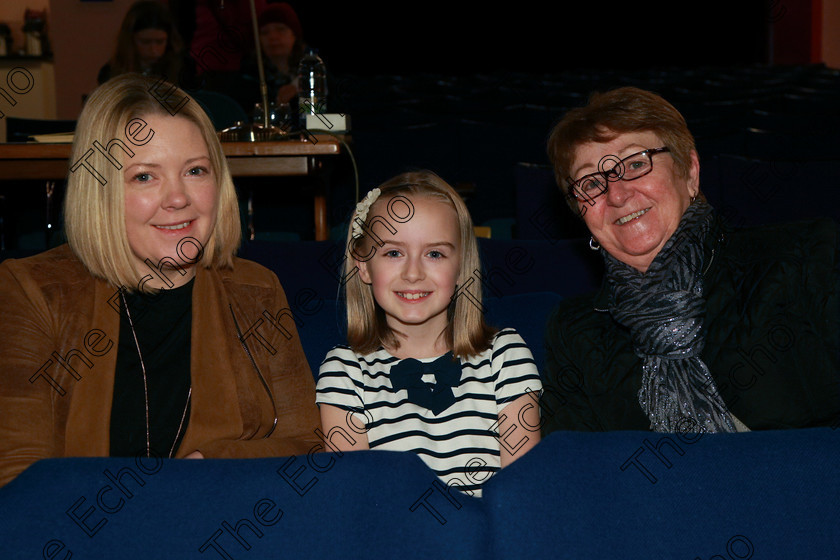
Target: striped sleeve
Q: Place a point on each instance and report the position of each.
(514, 363)
(340, 380)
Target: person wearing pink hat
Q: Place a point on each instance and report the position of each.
(281, 40)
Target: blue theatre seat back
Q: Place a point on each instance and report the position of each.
(581, 495)
(376, 504)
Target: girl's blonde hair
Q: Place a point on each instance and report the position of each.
(94, 207)
(466, 332)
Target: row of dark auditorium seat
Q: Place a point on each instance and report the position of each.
(745, 191)
(476, 129)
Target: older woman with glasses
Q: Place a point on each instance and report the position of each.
(697, 328)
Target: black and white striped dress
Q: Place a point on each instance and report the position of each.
(461, 443)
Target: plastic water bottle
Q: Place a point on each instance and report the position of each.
(312, 84)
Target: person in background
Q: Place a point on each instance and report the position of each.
(218, 35)
(148, 43)
(145, 335)
(281, 40)
(697, 328)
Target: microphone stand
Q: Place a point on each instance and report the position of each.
(248, 132)
(263, 85)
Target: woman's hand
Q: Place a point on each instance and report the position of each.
(195, 455)
(286, 93)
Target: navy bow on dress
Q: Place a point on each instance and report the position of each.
(408, 374)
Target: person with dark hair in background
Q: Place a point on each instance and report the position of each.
(698, 327)
(281, 40)
(148, 43)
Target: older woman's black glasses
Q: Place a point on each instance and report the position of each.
(589, 187)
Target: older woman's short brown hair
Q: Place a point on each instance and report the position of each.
(615, 112)
(94, 209)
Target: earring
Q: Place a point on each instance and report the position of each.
(693, 198)
(593, 244)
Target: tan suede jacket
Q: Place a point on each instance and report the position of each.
(59, 329)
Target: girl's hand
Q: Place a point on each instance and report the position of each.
(195, 455)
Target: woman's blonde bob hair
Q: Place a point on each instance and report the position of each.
(466, 332)
(110, 127)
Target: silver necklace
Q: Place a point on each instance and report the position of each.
(146, 389)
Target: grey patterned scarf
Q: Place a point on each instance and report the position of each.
(664, 310)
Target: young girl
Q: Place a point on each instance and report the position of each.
(423, 372)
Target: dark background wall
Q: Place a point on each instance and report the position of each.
(440, 37)
(410, 37)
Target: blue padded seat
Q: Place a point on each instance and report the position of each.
(541, 210)
(576, 495)
(770, 494)
(318, 506)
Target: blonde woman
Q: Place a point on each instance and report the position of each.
(144, 335)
